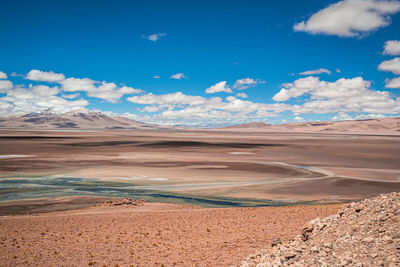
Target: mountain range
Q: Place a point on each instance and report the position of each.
(51, 119)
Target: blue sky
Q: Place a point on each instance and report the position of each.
(253, 44)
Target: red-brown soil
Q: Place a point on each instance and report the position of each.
(149, 235)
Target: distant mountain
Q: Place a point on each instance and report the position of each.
(254, 124)
(379, 126)
(52, 119)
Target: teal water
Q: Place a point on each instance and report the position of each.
(49, 186)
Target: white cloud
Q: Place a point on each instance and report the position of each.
(314, 72)
(177, 98)
(343, 95)
(44, 76)
(103, 90)
(245, 83)
(44, 90)
(21, 100)
(178, 108)
(156, 77)
(392, 48)
(298, 88)
(71, 96)
(298, 118)
(218, 87)
(350, 18)
(3, 75)
(338, 70)
(369, 116)
(392, 65)
(230, 98)
(342, 116)
(14, 74)
(178, 76)
(150, 109)
(393, 83)
(76, 84)
(154, 37)
(242, 95)
(5, 85)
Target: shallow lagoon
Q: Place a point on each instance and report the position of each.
(19, 188)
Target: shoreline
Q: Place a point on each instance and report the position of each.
(43, 205)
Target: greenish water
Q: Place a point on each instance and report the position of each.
(19, 188)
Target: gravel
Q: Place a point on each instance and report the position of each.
(365, 233)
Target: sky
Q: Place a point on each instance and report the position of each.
(204, 62)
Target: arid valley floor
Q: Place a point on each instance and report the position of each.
(241, 172)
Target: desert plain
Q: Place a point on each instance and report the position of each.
(213, 196)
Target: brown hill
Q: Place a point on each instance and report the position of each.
(378, 126)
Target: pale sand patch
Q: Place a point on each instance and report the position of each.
(158, 179)
(15, 156)
(241, 153)
(133, 178)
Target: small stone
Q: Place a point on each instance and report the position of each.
(368, 239)
(396, 235)
(289, 255)
(276, 242)
(374, 255)
(387, 238)
(314, 249)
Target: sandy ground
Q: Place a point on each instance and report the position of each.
(151, 235)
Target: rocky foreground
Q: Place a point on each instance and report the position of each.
(366, 233)
(122, 202)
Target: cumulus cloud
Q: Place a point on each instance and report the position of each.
(44, 76)
(315, 72)
(76, 84)
(298, 118)
(392, 65)
(102, 90)
(177, 98)
(154, 37)
(179, 108)
(392, 48)
(393, 83)
(298, 88)
(242, 95)
(44, 90)
(245, 83)
(5, 85)
(71, 96)
(150, 109)
(156, 77)
(369, 116)
(218, 87)
(178, 76)
(343, 95)
(342, 116)
(20, 100)
(350, 18)
(3, 75)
